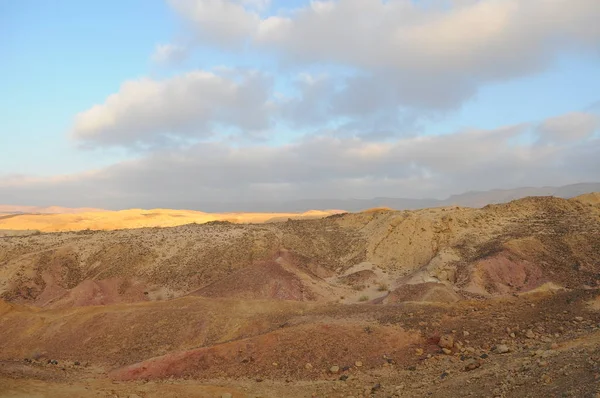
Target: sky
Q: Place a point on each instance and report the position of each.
(145, 103)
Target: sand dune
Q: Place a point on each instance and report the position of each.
(139, 218)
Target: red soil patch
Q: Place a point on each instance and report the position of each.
(283, 353)
(265, 280)
(505, 273)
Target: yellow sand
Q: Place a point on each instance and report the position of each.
(138, 218)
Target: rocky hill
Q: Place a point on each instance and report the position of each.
(496, 301)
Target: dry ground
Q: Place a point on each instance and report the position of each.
(501, 301)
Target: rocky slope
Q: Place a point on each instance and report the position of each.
(497, 301)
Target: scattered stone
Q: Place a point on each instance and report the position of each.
(334, 369)
(344, 377)
(483, 356)
(308, 366)
(444, 375)
(502, 349)
(376, 387)
(419, 351)
(472, 365)
(412, 368)
(358, 364)
(548, 353)
(529, 334)
(579, 318)
(446, 341)
(466, 333)
(447, 351)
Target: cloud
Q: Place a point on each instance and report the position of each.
(425, 55)
(572, 127)
(169, 54)
(323, 166)
(368, 67)
(222, 22)
(194, 105)
(488, 38)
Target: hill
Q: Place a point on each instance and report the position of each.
(493, 301)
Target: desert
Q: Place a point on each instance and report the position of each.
(495, 301)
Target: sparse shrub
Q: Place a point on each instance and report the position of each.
(382, 287)
(363, 298)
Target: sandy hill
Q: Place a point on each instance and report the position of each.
(138, 218)
(449, 301)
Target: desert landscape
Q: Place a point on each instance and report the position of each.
(300, 199)
(499, 301)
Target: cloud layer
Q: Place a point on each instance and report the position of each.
(326, 166)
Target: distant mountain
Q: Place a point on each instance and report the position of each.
(467, 199)
(482, 198)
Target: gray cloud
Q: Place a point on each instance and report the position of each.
(322, 167)
(571, 127)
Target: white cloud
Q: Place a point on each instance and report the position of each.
(222, 22)
(478, 37)
(169, 54)
(428, 54)
(191, 105)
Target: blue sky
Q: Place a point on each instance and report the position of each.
(60, 58)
